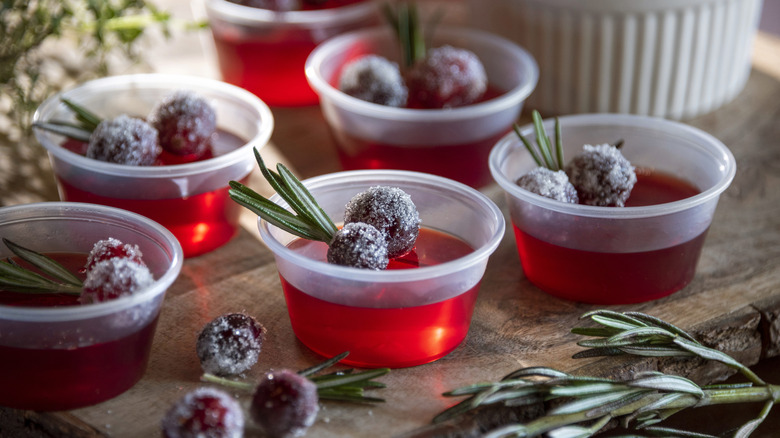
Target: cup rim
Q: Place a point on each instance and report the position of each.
(53, 210)
(390, 276)
(702, 140)
(247, 15)
(512, 97)
(176, 82)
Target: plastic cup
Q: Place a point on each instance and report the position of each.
(390, 318)
(454, 143)
(189, 199)
(264, 51)
(60, 358)
(616, 255)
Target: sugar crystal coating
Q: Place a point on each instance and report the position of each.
(602, 176)
(124, 140)
(550, 184)
(230, 344)
(358, 245)
(110, 248)
(374, 79)
(204, 413)
(285, 404)
(391, 211)
(185, 122)
(447, 77)
(113, 278)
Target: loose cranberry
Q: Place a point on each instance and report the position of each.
(447, 77)
(230, 344)
(124, 140)
(374, 79)
(186, 123)
(602, 176)
(359, 245)
(550, 184)
(113, 278)
(109, 248)
(204, 413)
(273, 5)
(391, 211)
(285, 404)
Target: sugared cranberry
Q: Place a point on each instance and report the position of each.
(109, 248)
(230, 344)
(204, 413)
(113, 278)
(285, 404)
(185, 122)
(124, 140)
(550, 184)
(273, 5)
(391, 211)
(359, 245)
(602, 176)
(447, 77)
(374, 79)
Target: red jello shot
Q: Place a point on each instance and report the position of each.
(60, 353)
(618, 255)
(418, 309)
(450, 142)
(190, 199)
(264, 51)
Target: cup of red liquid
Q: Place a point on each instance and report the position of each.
(59, 354)
(618, 255)
(264, 51)
(190, 199)
(453, 142)
(417, 310)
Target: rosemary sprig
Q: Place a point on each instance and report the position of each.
(584, 405)
(308, 219)
(87, 121)
(15, 278)
(405, 21)
(543, 154)
(344, 385)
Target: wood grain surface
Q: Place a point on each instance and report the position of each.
(733, 303)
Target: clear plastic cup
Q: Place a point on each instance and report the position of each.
(264, 51)
(60, 358)
(189, 199)
(390, 318)
(616, 255)
(454, 143)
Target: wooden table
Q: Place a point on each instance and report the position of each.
(732, 304)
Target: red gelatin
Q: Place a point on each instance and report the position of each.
(617, 277)
(392, 337)
(65, 377)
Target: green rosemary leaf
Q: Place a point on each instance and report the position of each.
(668, 383)
(68, 130)
(640, 335)
(513, 430)
(559, 144)
(287, 222)
(651, 320)
(88, 119)
(671, 432)
(323, 365)
(350, 378)
(44, 263)
(536, 372)
(21, 285)
(598, 352)
(658, 405)
(584, 390)
(529, 147)
(478, 387)
(310, 207)
(615, 320)
(655, 351)
(752, 425)
(545, 147)
(579, 431)
(603, 402)
(526, 395)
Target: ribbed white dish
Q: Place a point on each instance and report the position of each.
(666, 58)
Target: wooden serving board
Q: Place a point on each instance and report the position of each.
(732, 304)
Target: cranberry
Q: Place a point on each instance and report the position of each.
(374, 79)
(359, 245)
(124, 140)
(284, 404)
(185, 122)
(391, 211)
(447, 77)
(204, 413)
(113, 278)
(550, 184)
(602, 176)
(273, 5)
(230, 344)
(109, 248)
